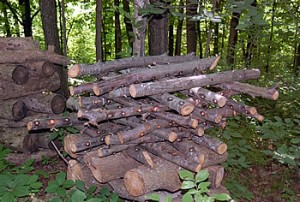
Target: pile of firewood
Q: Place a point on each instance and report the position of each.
(145, 119)
(28, 80)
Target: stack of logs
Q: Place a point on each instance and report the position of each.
(28, 80)
(145, 119)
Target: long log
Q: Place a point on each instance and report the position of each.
(143, 179)
(157, 73)
(206, 114)
(241, 108)
(21, 56)
(172, 85)
(141, 156)
(254, 91)
(179, 105)
(211, 143)
(185, 121)
(135, 133)
(111, 167)
(18, 43)
(102, 68)
(168, 152)
(96, 116)
(54, 121)
(35, 85)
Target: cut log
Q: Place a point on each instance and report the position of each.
(21, 56)
(156, 73)
(254, 91)
(168, 152)
(32, 142)
(54, 121)
(241, 108)
(35, 85)
(143, 179)
(141, 156)
(87, 103)
(135, 133)
(172, 85)
(13, 110)
(42, 67)
(209, 96)
(78, 171)
(211, 143)
(45, 103)
(179, 105)
(216, 174)
(190, 150)
(201, 115)
(17, 43)
(109, 168)
(102, 68)
(86, 87)
(185, 121)
(17, 74)
(96, 116)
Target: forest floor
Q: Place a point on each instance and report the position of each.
(271, 183)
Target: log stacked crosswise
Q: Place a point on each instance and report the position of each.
(28, 82)
(146, 118)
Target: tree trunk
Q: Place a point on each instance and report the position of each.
(217, 7)
(99, 52)
(158, 33)
(64, 28)
(271, 37)
(26, 17)
(297, 62)
(128, 25)
(233, 37)
(191, 35)
(118, 33)
(179, 31)
(171, 40)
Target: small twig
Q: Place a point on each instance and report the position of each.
(58, 152)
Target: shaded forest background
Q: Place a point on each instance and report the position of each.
(261, 34)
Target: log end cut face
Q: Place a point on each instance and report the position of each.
(20, 75)
(74, 71)
(19, 110)
(58, 104)
(134, 183)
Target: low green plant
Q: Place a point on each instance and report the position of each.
(195, 188)
(67, 190)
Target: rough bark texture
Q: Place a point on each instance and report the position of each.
(191, 36)
(233, 37)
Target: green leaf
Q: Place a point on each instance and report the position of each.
(153, 197)
(186, 175)
(80, 185)
(32, 179)
(5, 179)
(8, 196)
(52, 187)
(187, 184)
(61, 192)
(36, 185)
(187, 198)
(168, 198)
(295, 140)
(91, 189)
(114, 197)
(55, 200)
(201, 176)
(204, 185)
(60, 178)
(78, 196)
(192, 191)
(68, 184)
(222, 197)
(21, 191)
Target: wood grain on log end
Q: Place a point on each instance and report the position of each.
(258, 117)
(96, 89)
(19, 110)
(200, 131)
(214, 64)
(173, 136)
(134, 183)
(74, 71)
(187, 109)
(58, 104)
(194, 123)
(198, 168)
(107, 140)
(80, 114)
(222, 101)
(48, 69)
(275, 95)
(71, 89)
(222, 148)
(132, 90)
(218, 119)
(69, 145)
(252, 110)
(20, 75)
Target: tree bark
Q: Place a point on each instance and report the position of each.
(99, 47)
(118, 33)
(191, 36)
(18, 43)
(158, 32)
(233, 37)
(128, 25)
(179, 30)
(211, 143)
(209, 96)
